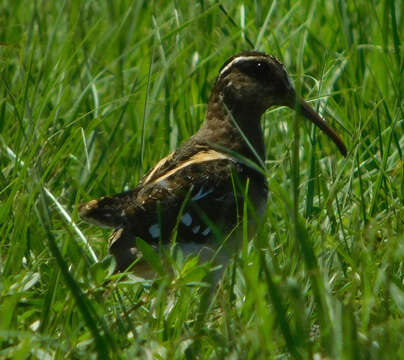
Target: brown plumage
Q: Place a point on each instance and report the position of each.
(199, 190)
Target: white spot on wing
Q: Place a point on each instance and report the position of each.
(163, 183)
(154, 231)
(186, 219)
(200, 194)
(196, 228)
(206, 231)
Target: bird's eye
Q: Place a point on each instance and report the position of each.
(262, 68)
(257, 69)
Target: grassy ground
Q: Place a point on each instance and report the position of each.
(93, 93)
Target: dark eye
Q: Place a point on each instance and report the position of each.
(257, 69)
(262, 68)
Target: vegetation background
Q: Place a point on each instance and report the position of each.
(93, 93)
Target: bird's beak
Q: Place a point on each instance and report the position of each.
(307, 111)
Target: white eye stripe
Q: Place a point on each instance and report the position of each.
(196, 228)
(206, 231)
(233, 62)
(186, 219)
(238, 60)
(154, 231)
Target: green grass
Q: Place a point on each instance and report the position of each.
(93, 93)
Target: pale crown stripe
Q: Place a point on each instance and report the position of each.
(237, 60)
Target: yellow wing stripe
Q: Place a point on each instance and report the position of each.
(202, 156)
(157, 167)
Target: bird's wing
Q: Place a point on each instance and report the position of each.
(107, 211)
(192, 197)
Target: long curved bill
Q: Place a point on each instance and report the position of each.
(307, 111)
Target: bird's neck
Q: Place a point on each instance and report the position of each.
(235, 127)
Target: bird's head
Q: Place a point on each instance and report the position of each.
(251, 82)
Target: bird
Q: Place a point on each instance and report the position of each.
(197, 194)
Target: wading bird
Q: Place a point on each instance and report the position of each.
(199, 191)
